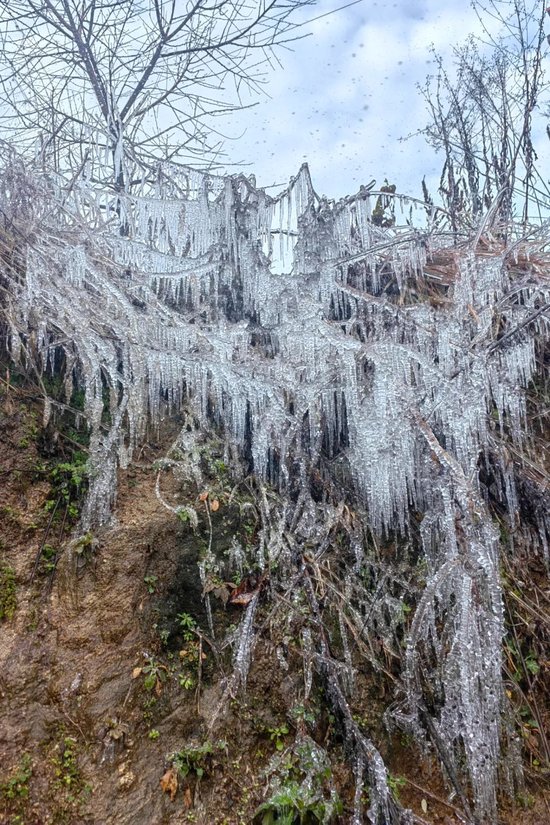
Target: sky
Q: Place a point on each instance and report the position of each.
(346, 96)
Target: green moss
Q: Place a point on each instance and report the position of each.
(8, 601)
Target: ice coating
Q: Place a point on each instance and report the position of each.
(301, 330)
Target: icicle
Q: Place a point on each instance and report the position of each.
(245, 642)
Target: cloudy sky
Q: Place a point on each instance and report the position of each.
(347, 94)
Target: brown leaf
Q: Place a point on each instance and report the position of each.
(203, 496)
(187, 799)
(215, 505)
(158, 687)
(136, 672)
(222, 593)
(169, 783)
(242, 598)
(247, 589)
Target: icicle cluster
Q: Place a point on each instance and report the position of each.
(297, 326)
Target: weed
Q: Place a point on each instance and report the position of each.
(17, 786)
(154, 734)
(277, 735)
(302, 790)
(68, 484)
(48, 557)
(154, 675)
(197, 759)
(151, 583)
(187, 625)
(395, 784)
(303, 715)
(11, 515)
(66, 764)
(186, 681)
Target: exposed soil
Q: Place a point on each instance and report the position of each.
(85, 735)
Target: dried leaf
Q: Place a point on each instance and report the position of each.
(424, 806)
(473, 313)
(136, 672)
(203, 496)
(242, 598)
(169, 783)
(215, 505)
(247, 589)
(187, 799)
(158, 687)
(222, 593)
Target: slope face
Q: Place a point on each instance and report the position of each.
(316, 341)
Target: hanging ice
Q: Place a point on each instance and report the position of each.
(308, 335)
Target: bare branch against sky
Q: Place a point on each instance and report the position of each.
(132, 80)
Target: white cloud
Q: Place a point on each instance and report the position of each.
(347, 93)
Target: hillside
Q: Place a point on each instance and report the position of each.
(276, 506)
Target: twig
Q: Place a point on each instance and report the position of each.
(437, 798)
(44, 540)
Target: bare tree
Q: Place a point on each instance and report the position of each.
(482, 115)
(116, 84)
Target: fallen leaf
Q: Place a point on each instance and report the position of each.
(136, 672)
(169, 783)
(247, 589)
(243, 598)
(203, 496)
(424, 806)
(215, 505)
(222, 593)
(187, 799)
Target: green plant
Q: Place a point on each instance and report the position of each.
(68, 477)
(303, 715)
(8, 600)
(277, 735)
(154, 674)
(187, 625)
(164, 635)
(396, 784)
(220, 467)
(532, 664)
(302, 792)
(292, 805)
(151, 583)
(11, 515)
(186, 681)
(154, 734)
(17, 786)
(48, 556)
(197, 759)
(68, 481)
(66, 764)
